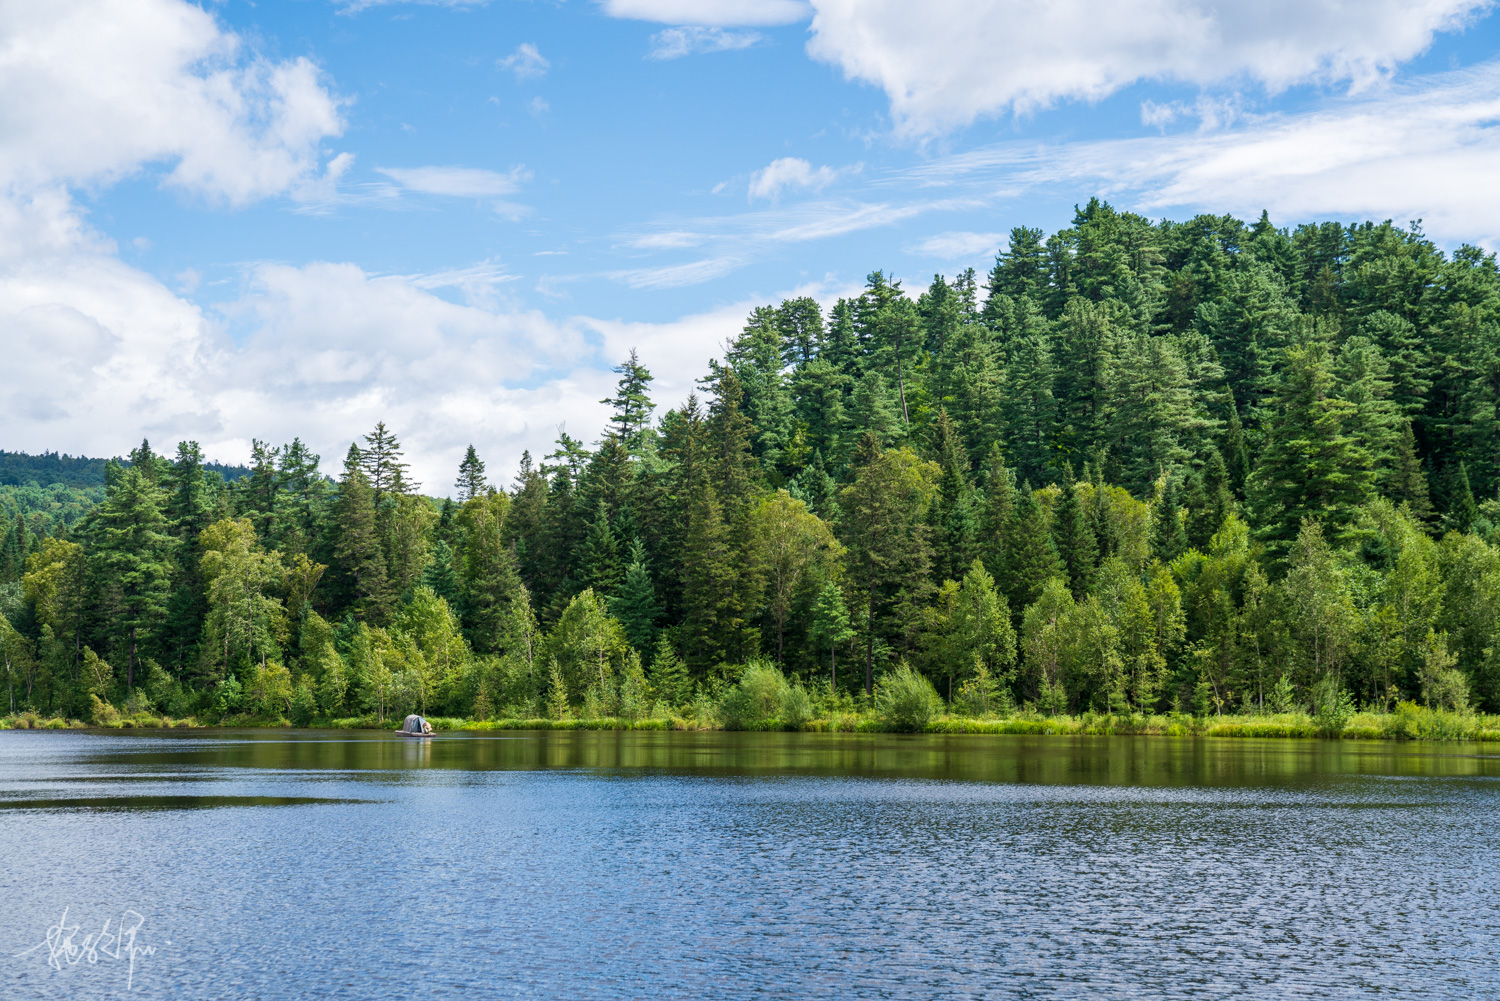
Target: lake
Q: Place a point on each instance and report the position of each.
(294, 864)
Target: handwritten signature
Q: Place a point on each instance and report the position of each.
(63, 944)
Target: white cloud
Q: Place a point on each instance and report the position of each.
(457, 182)
(526, 62)
(720, 13)
(678, 275)
(96, 89)
(945, 63)
(673, 240)
(1424, 149)
(673, 43)
(539, 106)
(956, 244)
(789, 172)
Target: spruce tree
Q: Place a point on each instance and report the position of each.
(1310, 466)
(635, 606)
(599, 557)
(1029, 555)
(471, 482)
(830, 626)
(134, 553)
(1462, 510)
(952, 514)
(1077, 546)
(1169, 538)
(380, 461)
(669, 675)
(358, 560)
(1408, 480)
(890, 556)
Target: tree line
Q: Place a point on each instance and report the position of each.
(1205, 465)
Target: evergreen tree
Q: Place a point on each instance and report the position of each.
(471, 482)
(439, 575)
(1029, 552)
(258, 490)
(631, 404)
(952, 514)
(358, 561)
(890, 556)
(1077, 546)
(380, 461)
(1168, 534)
(830, 626)
(635, 606)
(669, 676)
(489, 585)
(134, 552)
(1407, 483)
(1462, 511)
(1310, 467)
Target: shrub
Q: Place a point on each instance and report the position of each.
(796, 708)
(1335, 707)
(304, 704)
(101, 712)
(756, 698)
(906, 699)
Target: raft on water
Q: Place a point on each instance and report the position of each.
(415, 726)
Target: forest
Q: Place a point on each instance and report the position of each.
(1139, 468)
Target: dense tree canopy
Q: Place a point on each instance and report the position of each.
(1143, 465)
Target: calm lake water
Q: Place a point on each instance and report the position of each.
(359, 865)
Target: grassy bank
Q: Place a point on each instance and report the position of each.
(1407, 722)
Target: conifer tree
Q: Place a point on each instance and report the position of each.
(830, 626)
(884, 525)
(631, 403)
(134, 551)
(1077, 546)
(489, 583)
(358, 560)
(635, 606)
(1029, 554)
(380, 461)
(1310, 467)
(668, 674)
(439, 574)
(952, 514)
(1408, 480)
(1168, 534)
(1462, 510)
(471, 482)
(599, 558)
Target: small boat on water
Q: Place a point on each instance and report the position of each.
(415, 726)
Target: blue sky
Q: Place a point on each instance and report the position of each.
(236, 221)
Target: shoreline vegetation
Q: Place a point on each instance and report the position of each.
(1142, 477)
(765, 700)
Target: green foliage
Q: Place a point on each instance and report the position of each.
(1244, 440)
(906, 699)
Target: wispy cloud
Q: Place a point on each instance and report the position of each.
(678, 275)
(457, 182)
(715, 13)
(526, 62)
(958, 244)
(1423, 149)
(674, 43)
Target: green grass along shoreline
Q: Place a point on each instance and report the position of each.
(1406, 722)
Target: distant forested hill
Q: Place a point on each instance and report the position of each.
(19, 468)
